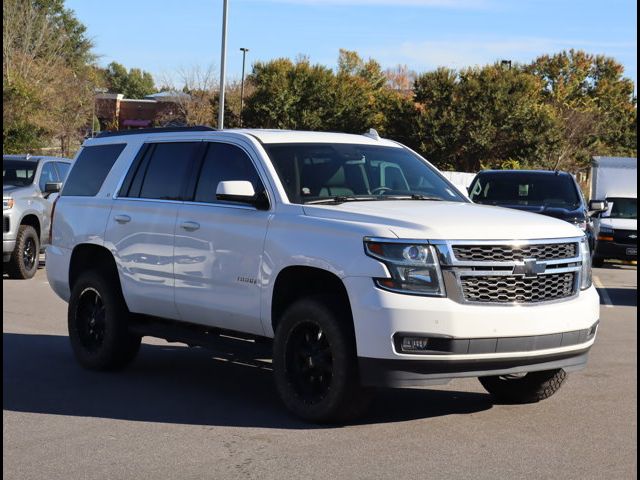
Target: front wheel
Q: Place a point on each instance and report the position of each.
(315, 363)
(524, 388)
(23, 263)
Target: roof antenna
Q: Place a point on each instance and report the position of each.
(372, 133)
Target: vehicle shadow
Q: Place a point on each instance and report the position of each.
(622, 297)
(175, 384)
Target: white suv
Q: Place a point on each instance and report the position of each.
(365, 266)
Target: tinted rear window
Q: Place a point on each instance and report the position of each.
(90, 169)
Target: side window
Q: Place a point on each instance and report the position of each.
(163, 173)
(47, 175)
(90, 169)
(224, 162)
(63, 170)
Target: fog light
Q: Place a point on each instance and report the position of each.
(414, 344)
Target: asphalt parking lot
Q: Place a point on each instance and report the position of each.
(182, 413)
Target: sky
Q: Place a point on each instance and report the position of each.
(165, 37)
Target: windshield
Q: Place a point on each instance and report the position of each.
(19, 173)
(526, 189)
(317, 172)
(623, 208)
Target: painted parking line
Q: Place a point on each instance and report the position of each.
(604, 295)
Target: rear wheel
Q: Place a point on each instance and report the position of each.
(98, 324)
(23, 263)
(315, 363)
(524, 388)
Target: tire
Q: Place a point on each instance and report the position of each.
(98, 323)
(597, 262)
(315, 362)
(23, 263)
(530, 388)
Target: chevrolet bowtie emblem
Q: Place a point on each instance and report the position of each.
(633, 236)
(529, 268)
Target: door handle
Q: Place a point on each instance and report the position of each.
(122, 218)
(190, 226)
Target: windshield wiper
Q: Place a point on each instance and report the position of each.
(414, 196)
(337, 199)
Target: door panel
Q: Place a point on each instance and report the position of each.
(219, 246)
(141, 233)
(217, 265)
(142, 224)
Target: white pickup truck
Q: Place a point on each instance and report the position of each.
(349, 256)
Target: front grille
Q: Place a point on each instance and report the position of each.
(513, 289)
(7, 225)
(515, 253)
(624, 237)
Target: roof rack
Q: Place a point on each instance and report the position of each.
(117, 133)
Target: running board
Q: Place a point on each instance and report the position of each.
(229, 345)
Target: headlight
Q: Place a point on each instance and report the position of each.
(414, 267)
(582, 225)
(7, 203)
(585, 274)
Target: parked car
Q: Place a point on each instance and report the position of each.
(29, 186)
(614, 190)
(552, 193)
(352, 254)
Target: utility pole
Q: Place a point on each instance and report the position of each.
(223, 58)
(244, 54)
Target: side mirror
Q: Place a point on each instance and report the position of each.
(52, 187)
(598, 206)
(242, 191)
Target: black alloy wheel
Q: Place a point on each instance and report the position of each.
(29, 254)
(90, 315)
(309, 362)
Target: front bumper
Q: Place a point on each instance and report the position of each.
(377, 372)
(479, 339)
(8, 235)
(615, 251)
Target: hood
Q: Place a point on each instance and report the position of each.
(619, 223)
(9, 189)
(567, 214)
(447, 220)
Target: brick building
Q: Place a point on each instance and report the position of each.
(114, 112)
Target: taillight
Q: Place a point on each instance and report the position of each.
(53, 211)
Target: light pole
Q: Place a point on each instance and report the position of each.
(244, 55)
(223, 58)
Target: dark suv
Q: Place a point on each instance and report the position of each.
(552, 193)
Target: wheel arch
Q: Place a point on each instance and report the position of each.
(89, 256)
(299, 281)
(32, 220)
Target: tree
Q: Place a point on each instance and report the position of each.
(134, 83)
(44, 57)
(594, 103)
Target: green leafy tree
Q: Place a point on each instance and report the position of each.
(594, 103)
(132, 83)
